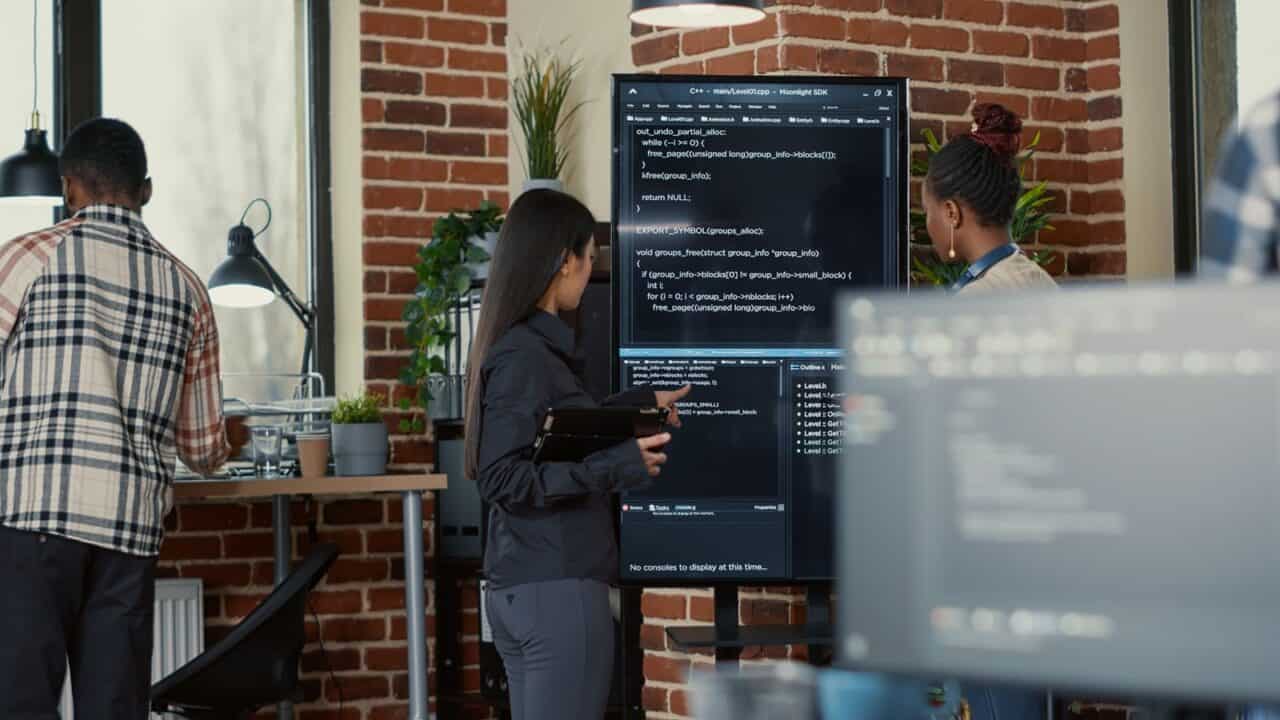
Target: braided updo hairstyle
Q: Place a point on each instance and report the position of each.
(980, 168)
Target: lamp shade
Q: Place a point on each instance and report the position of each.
(241, 281)
(31, 175)
(696, 13)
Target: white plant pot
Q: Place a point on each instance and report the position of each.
(488, 243)
(543, 184)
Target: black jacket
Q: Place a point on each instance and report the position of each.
(547, 521)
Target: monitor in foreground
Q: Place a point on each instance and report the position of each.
(1075, 489)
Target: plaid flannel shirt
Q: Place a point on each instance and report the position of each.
(1242, 219)
(109, 368)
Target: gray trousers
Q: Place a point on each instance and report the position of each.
(556, 640)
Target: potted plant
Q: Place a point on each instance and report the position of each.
(540, 94)
(447, 266)
(1029, 217)
(359, 436)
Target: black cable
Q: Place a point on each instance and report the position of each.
(35, 65)
(328, 666)
(245, 214)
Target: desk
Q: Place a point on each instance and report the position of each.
(410, 488)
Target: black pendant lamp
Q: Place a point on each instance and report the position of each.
(31, 176)
(696, 13)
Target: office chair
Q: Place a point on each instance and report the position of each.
(257, 664)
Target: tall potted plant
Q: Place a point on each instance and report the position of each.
(1029, 217)
(541, 97)
(447, 266)
(359, 436)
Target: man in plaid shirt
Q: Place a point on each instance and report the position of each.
(1242, 218)
(109, 369)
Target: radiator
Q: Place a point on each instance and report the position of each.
(178, 633)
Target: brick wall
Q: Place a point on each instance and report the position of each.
(1055, 62)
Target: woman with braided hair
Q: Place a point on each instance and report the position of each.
(969, 198)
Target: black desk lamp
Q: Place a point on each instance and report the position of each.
(31, 175)
(247, 280)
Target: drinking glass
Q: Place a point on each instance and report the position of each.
(266, 451)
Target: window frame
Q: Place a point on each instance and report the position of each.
(78, 97)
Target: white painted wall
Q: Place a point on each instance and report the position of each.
(347, 198)
(598, 33)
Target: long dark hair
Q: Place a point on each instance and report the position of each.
(541, 228)
(981, 168)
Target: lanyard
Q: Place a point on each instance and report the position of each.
(983, 264)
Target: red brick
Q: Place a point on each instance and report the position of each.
(399, 82)
(401, 283)
(375, 168)
(355, 570)
(808, 25)
(353, 512)
(418, 169)
(499, 33)
(1058, 49)
(247, 545)
(743, 63)
(498, 146)
(477, 60)
(374, 225)
(877, 32)
(654, 50)
(467, 32)
(653, 637)
(392, 198)
(188, 547)
(655, 699)
(937, 37)
(408, 112)
(697, 67)
(848, 62)
(663, 606)
(449, 85)
(1000, 43)
(416, 55)
(1099, 263)
(397, 711)
(378, 368)
(850, 5)
(1020, 104)
(427, 5)
(1104, 77)
(383, 659)
(335, 660)
(1103, 17)
(1051, 139)
(916, 67)
(352, 629)
(492, 8)
(1059, 110)
(393, 140)
(439, 200)
(767, 60)
(1107, 201)
(1104, 108)
(1077, 80)
(1103, 48)
(390, 540)
(696, 42)
(666, 669)
(412, 452)
(382, 310)
(371, 110)
(385, 599)
(1077, 141)
(988, 12)
(1106, 170)
(764, 612)
(799, 57)
(918, 126)
(499, 198)
(497, 88)
(393, 25)
(439, 143)
(1106, 139)
(239, 606)
(474, 173)
(973, 72)
(330, 602)
(375, 338)
(391, 254)
(680, 703)
(1063, 171)
(370, 51)
(702, 608)
(939, 102)
(217, 575)
(1042, 16)
(638, 30)
(215, 516)
(756, 31)
(356, 688)
(478, 116)
(915, 8)
(1032, 78)
(1075, 20)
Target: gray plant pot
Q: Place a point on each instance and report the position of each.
(543, 184)
(360, 449)
(448, 395)
(488, 243)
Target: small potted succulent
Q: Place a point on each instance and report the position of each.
(359, 436)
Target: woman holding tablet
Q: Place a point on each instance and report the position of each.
(550, 554)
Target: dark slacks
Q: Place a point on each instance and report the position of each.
(556, 641)
(64, 601)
